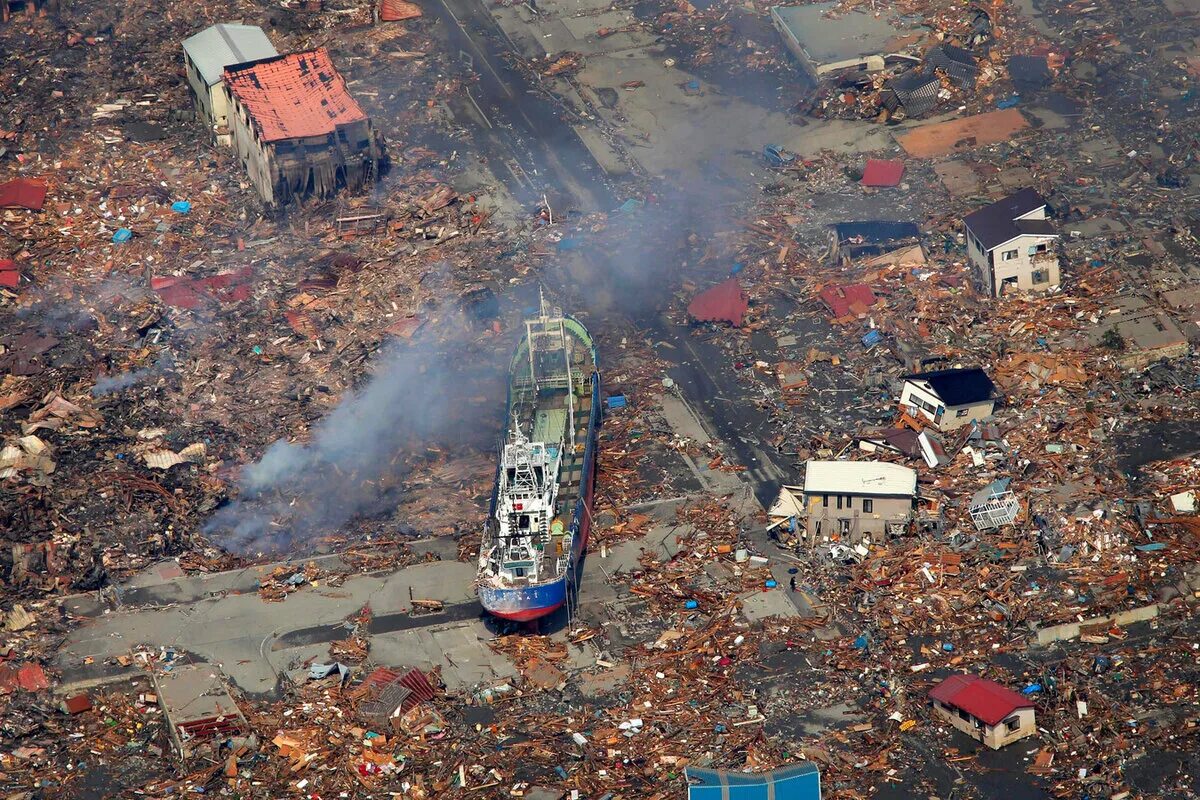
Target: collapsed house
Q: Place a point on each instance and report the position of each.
(1139, 333)
(851, 240)
(297, 130)
(205, 57)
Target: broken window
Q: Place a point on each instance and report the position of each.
(1008, 255)
(1012, 723)
(1040, 276)
(962, 412)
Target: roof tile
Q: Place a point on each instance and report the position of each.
(294, 96)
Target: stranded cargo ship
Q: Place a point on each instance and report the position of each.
(540, 514)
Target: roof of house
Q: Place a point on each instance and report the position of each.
(23, 193)
(224, 44)
(882, 173)
(996, 224)
(859, 478)
(877, 231)
(957, 387)
(294, 96)
(725, 302)
(987, 701)
(795, 782)
(844, 300)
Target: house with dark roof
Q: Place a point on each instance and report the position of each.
(1011, 244)
(297, 129)
(948, 398)
(983, 709)
(205, 57)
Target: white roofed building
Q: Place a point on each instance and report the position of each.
(205, 57)
(852, 501)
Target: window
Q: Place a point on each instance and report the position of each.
(868, 505)
(1008, 255)
(839, 501)
(1041, 248)
(825, 501)
(1040, 276)
(962, 412)
(843, 526)
(1012, 723)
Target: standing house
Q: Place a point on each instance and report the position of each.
(205, 57)
(296, 128)
(1011, 243)
(948, 398)
(849, 501)
(983, 709)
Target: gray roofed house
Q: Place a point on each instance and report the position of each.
(205, 57)
(1011, 244)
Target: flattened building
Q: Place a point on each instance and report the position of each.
(297, 129)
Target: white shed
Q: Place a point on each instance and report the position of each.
(205, 57)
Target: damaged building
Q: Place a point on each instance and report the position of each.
(297, 129)
(205, 57)
(852, 501)
(1011, 244)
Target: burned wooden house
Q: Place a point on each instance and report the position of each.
(297, 129)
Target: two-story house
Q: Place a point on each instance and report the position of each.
(1011, 244)
(849, 501)
(948, 398)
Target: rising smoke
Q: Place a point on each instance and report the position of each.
(297, 491)
(107, 384)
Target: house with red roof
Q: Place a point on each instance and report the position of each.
(983, 709)
(297, 129)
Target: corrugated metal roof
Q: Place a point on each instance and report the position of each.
(794, 782)
(225, 44)
(23, 193)
(294, 96)
(882, 173)
(985, 700)
(859, 478)
(725, 302)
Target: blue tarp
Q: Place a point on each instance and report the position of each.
(798, 782)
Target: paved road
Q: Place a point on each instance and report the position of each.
(520, 124)
(239, 630)
(529, 146)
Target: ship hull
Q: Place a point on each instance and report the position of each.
(527, 603)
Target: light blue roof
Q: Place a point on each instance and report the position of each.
(219, 46)
(796, 782)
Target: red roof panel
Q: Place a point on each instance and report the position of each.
(398, 10)
(10, 276)
(987, 701)
(882, 173)
(725, 302)
(844, 300)
(294, 96)
(23, 193)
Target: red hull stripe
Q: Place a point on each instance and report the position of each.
(526, 614)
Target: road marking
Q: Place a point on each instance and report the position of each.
(486, 121)
(478, 50)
